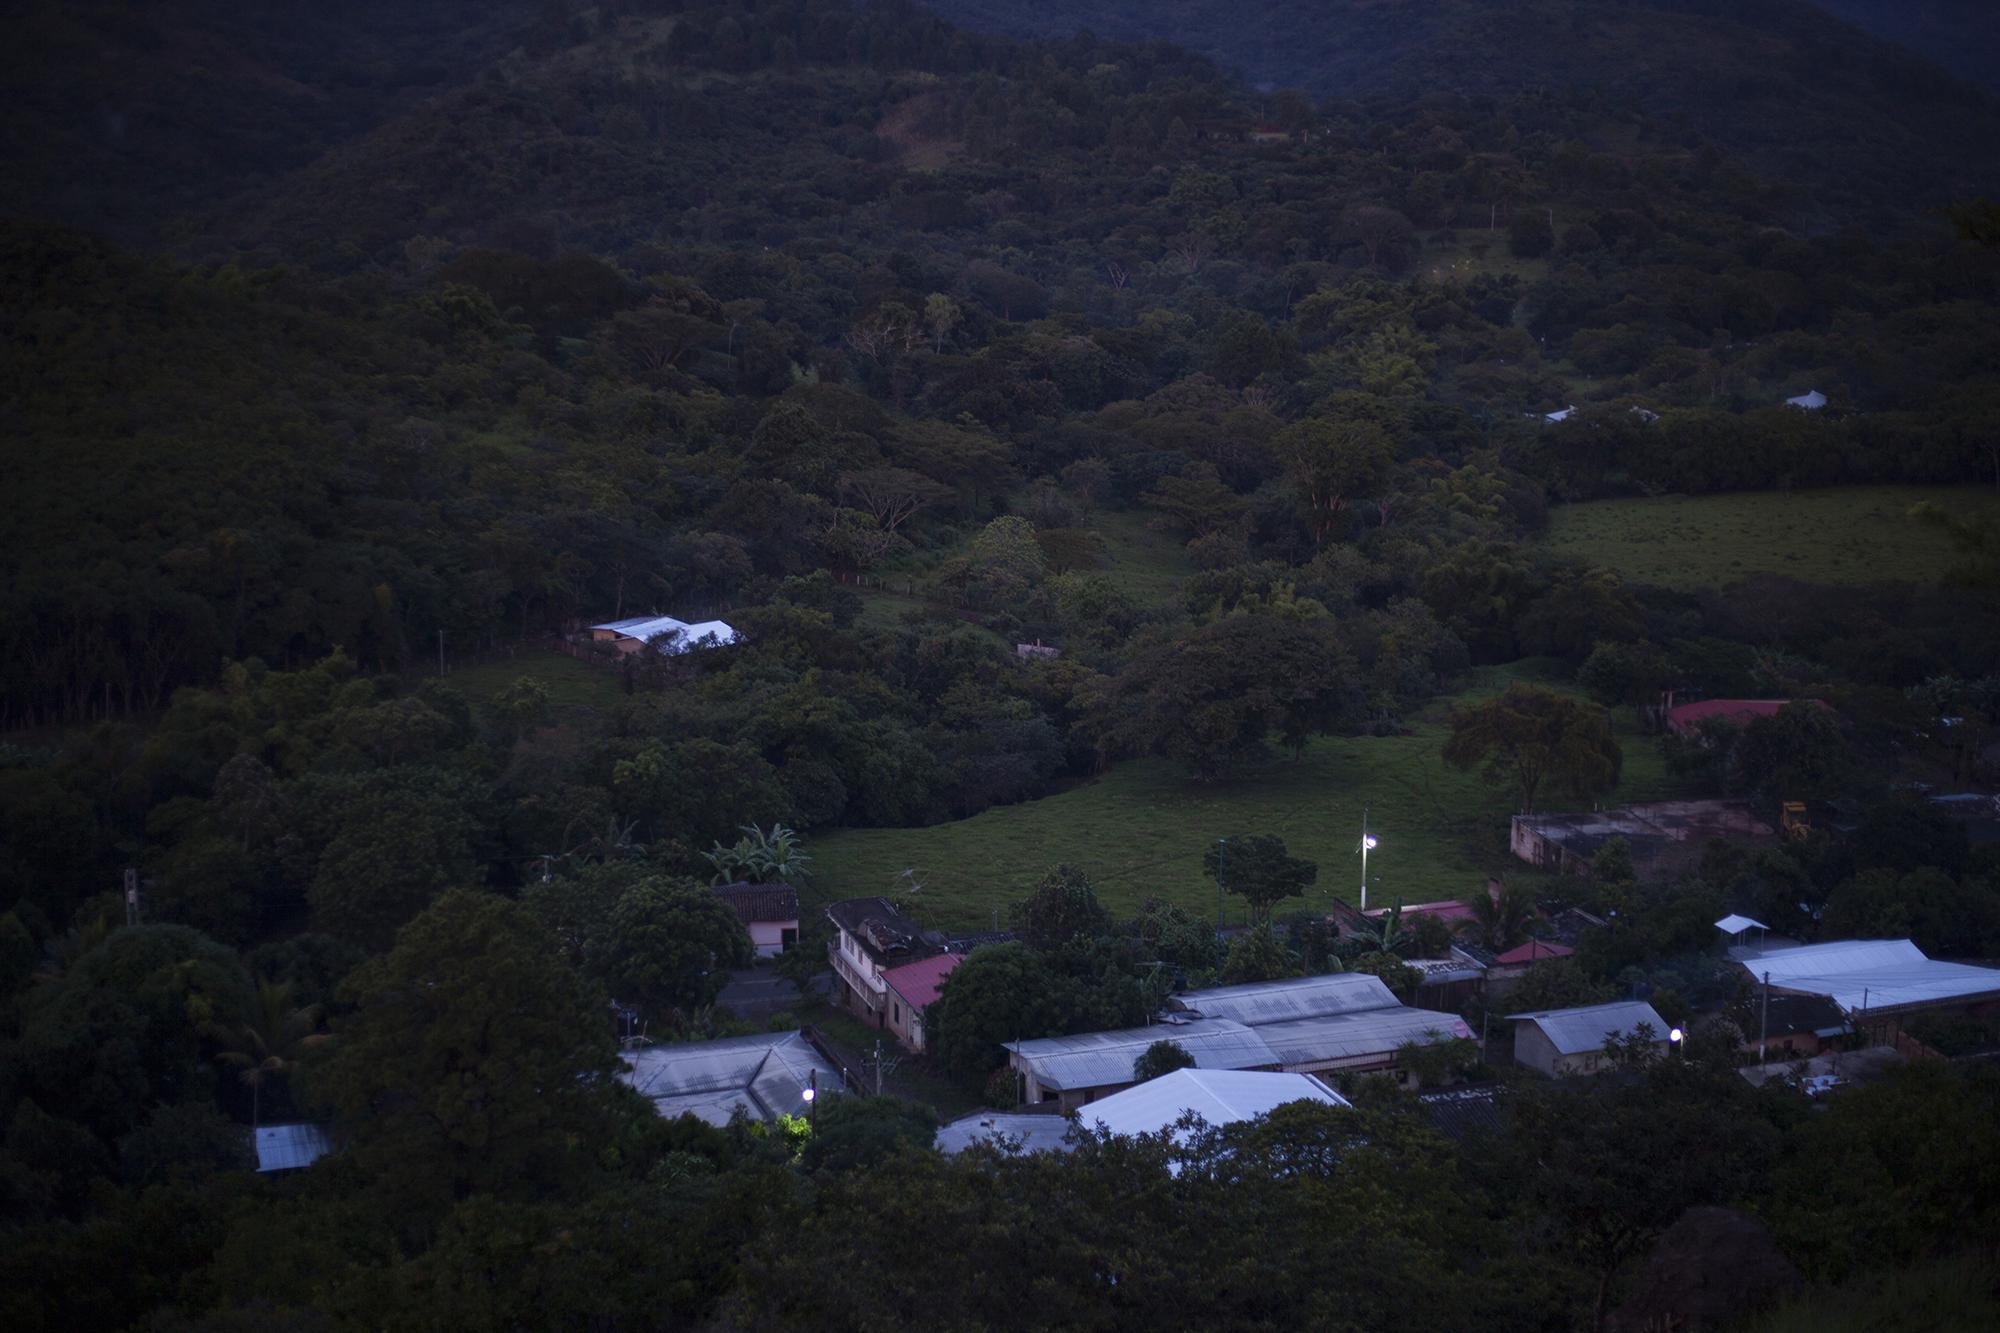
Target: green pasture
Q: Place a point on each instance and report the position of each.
(576, 688)
(1860, 534)
(1141, 828)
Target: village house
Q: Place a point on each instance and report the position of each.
(288, 1147)
(762, 1076)
(770, 912)
(629, 636)
(1349, 1022)
(1795, 1027)
(1013, 1131)
(1879, 985)
(1561, 1042)
(1685, 720)
(1219, 1096)
(913, 988)
(870, 939)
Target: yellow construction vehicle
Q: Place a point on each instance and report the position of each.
(1793, 820)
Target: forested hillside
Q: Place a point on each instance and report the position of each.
(1856, 123)
(418, 339)
(1958, 34)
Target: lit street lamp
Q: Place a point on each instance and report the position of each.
(1367, 845)
(811, 1094)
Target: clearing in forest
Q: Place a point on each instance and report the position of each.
(1858, 534)
(1140, 830)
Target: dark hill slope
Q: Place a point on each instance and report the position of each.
(1858, 120)
(1961, 35)
(120, 116)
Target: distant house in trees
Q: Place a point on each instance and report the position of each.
(1685, 719)
(1269, 133)
(289, 1147)
(913, 987)
(629, 636)
(1029, 652)
(1796, 1027)
(1811, 401)
(1560, 415)
(1023, 1131)
(764, 1076)
(871, 939)
(1219, 1096)
(1571, 1041)
(770, 912)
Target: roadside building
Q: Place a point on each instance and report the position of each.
(763, 1076)
(870, 938)
(769, 912)
(1560, 1042)
(1878, 984)
(913, 988)
(1795, 1027)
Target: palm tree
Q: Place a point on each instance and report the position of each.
(1499, 918)
(764, 857)
(1388, 936)
(268, 1043)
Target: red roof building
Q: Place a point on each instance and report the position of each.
(1534, 951)
(1684, 718)
(912, 989)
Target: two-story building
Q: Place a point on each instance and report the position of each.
(871, 939)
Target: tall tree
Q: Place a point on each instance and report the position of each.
(1256, 868)
(1535, 738)
(475, 1061)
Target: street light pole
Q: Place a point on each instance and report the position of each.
(1366, 843)
(812, 1099)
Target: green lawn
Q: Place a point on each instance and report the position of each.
(1140, 829)
(1143, 563)
(1857, 534)
(576, 689)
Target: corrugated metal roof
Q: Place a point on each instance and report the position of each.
(289, 1147)
(765, 1074)
(1296, 997)
(1735, 924)
(1870, 975)
(1358, 1038)
(1534, 951)
(645, 628)
(1219, 1096)
(1099, 1059)
(1577, 1031)
(1028, 1133)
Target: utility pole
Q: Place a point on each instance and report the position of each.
(131, 895)
(440, 652)
(812, 1099)
(1764, 1026)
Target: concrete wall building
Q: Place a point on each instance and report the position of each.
(1561, 1042)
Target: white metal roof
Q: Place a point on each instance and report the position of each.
(1736, 925)
(1811, 400)
(1218, 1096)
(1576, 1031)
(766, 1075)
(1013, 1129)
(645, 628)
(1867, 975)
(1099, 1059)
(1297, 997)
(288, 1147)
(1333, 1040)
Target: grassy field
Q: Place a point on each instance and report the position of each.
(1140, 829)
(1143, 563)
(576, 689)
(1853, 535)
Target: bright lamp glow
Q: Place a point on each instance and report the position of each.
(1675, 1035)
(808, 1094)
(1369, 843)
